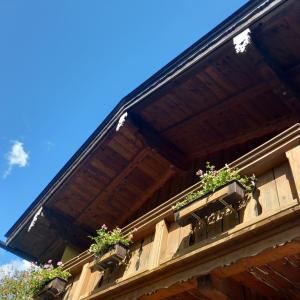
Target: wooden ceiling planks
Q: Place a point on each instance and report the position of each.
(127, 191)
(282, 40)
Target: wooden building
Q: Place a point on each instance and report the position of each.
(232, 97)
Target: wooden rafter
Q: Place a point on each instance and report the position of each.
(66, 229)
(215, 109)
(261, 131)
(276, 77)
(157, 142)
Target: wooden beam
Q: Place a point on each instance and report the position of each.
(259, 287)
(159, 244)
(158, 143)
(161, 181)
(66, 229)
(260, 131)
(206, 289)
(276, 77)
(215, 109)
(82, 283)
(120, 179)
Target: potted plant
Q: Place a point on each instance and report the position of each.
(219, 188)
(109, 247)
(48, 282)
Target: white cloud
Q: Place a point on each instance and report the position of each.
(14, 265)
(16, 157)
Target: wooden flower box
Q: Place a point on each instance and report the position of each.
(52, 290)
(114, 256)
(227, 195)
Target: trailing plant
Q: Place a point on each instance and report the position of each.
(105, 239)
(211, 179)
(40, 276)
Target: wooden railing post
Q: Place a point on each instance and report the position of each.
(293, 156)
(159, 244)
(80, 288)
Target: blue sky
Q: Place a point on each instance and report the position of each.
(64, 66)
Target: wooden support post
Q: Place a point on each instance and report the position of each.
(293, 156)
(159, 244)
(80, 288)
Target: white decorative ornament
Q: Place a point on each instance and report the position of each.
(242, 40)
(35, 218)
(121, 121)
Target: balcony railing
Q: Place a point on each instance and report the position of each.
(165, 253)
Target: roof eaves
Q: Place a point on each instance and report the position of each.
(240, 20)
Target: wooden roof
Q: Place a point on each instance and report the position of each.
(208, 101)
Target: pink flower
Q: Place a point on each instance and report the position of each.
(50, 261)
(104, 227)
(199, 173)
(47, 266)
(60, 263)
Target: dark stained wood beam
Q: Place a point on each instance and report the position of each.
(67, 230)
(147, 194)
(276, 77)
(158, 143)
(210, 287)
(215, 109)
(258, 132)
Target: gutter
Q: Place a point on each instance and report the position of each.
(239, 21)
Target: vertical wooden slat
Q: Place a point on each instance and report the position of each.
(95, 278)
(135, 252)
(214, 228)
(293, 156)
(80, 288)
(200, 232)
(268, 193)
(159, 244)
(284, 184)
(145, 253)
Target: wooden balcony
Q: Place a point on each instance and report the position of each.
(230, 248)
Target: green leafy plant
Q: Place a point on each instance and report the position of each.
(105, 239)
(25, 284)
(14, 284)
(40, 276)
(211, 179)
